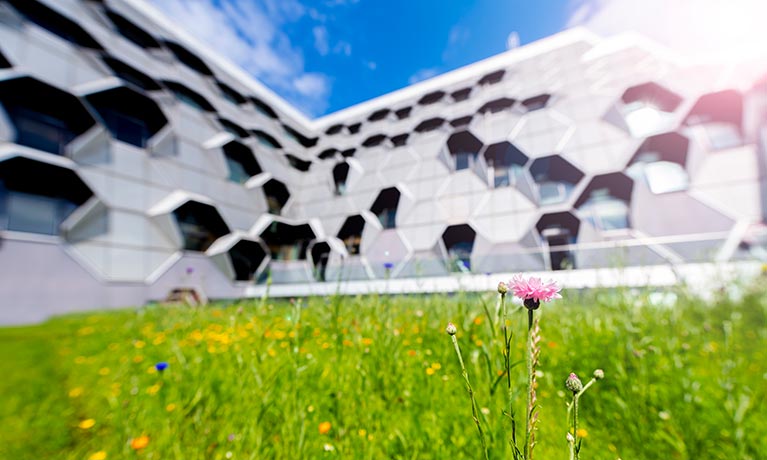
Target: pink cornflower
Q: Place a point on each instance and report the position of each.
(534, 291)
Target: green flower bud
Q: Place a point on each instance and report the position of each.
(573, 383)
(502, 288)
(451, 329)
(599, 374)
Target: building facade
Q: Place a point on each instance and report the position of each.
(135, 161)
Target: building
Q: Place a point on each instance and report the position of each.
(134, 161)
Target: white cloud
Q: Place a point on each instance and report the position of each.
(311, 84)
(372, 65)
(321, 40)
(423, 74)
(343, 47)
(705, 30)
(251, 36)
(512, 41)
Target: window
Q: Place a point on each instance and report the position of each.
(385, 207)
(129, 115)
(665, 176)
(55, 23)
(288, 242)
(351, 234)
(340, 174)
(605, 211)
(241, 162)
(189, 97)
(246, 257)
(126, 128)
(459, 242)
(464, 147)
(648, 108)
(40, 131)
(505, 163)
(277, 196)
(200, 225)
(37, 197)
(555, 179)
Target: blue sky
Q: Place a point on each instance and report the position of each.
(325, 55)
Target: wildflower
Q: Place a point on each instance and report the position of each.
(367, 341)
(599, 374)
(582, 433)
(140, 442)
(100, 455)
(532, 291)
(328, 447)
(430, 371)
(170, 407)
(104, 371)
(324, 427)
(503, 288)
(573, 383)
(87, 424)
(153, 389)
(161, 366)
(388, 265)
(451, 329)
(362, 432)
(75, 392)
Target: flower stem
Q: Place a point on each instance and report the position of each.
(474, 410)
(530, 389)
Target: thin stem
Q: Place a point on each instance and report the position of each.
(474, 410)
(575, 426)
(571, 438)
(529, 412)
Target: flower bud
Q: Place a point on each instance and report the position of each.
(573, 383)
(502, 288)
(451, 329)
(570, 437)
(599, 374)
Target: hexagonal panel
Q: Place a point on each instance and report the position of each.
(56, 23)
(606, 201)
(240, 257)
(200, 225)
(277, 196)
(189, 97)
(45, 118)
(464, 148)
(542, 132)
(558, 232)
(130, 116)
(287, 242)
(131, 31)
(430, 125)
(241, 162)
(131, 75)
(505, 163)
(717, 119)
(645, 109)
(38, 197)
(387, 253)
(458, 241)
(385, 206)
(555, 178)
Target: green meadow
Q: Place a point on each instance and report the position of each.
(376, 377)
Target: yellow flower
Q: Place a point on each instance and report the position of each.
(100, 455)
(367, 341)
(75, 392)
(436, 366)
(271, 352)
(170, 407)
(137, 359)
(139, 344)
(140, 442)
(87, 423)
(430, 371)
(80, 360)
(478, 320)
(582, 433)
(153, 389)
(104, 371)
(362, 432)
(324, 427)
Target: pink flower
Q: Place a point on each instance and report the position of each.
(534, 289)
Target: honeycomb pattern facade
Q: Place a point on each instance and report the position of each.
(572, 152)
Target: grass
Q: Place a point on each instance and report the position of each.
(257, 380)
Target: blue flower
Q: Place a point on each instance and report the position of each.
(161, 366)
(388, 265)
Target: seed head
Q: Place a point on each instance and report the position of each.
(599, 374)
(573, 383)
(451, 329)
